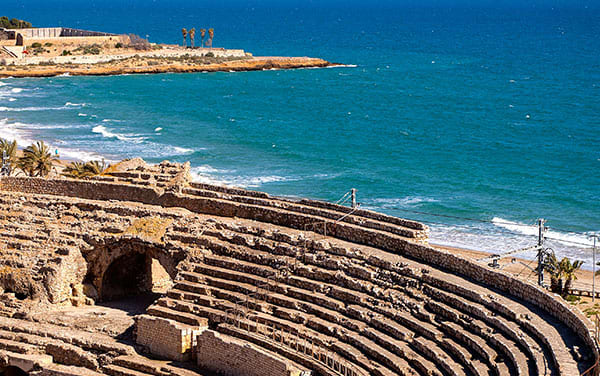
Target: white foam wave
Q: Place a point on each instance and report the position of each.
(23, 109)
(180, 150)
(158, 129)
(16, 90)
(69, 104)
(105, 132)
(400, 202)
(566, 238)
(257, 181)
(14, 131)
(12, 99)
(82, 114)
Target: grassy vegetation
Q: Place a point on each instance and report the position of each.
(91, 49)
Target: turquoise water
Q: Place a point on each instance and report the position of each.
(488, 114)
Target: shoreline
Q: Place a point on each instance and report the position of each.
(119, 67)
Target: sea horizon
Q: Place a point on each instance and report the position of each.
(476, 122)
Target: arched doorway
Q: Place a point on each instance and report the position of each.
(126, 276)
(134, 274)
(128, 268)
(12, 371)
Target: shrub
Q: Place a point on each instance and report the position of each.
(119, 45)
(210, 54)
(36, 45)
(66, 53)
(47, 44)
(93, 49)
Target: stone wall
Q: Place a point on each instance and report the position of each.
(389, 242)
(166, 338)
(228, 356)
(57, 32)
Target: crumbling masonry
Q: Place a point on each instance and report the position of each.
(254, 285)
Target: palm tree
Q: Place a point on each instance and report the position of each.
(568, 270)
(192, 35)
(80, 170)
(202, 35)
(74, 170)
(184, 32)
(94, 168)
(552, 266)
(37, 160)
(8, 149)
(211, 34)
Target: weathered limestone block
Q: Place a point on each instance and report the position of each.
(231, 357)
(166, 338)
(71, 355)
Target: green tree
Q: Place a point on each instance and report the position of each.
(37, 160)
(184, 32)
(192, 35)
(9, 149)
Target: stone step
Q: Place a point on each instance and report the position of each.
(18, 347)
(174, 314)
(62, 370)
(156, 367)
(115, 370)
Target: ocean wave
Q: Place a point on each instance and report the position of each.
(14, 131)
(257, 181)
(69, 104)
(23, 109)
(105, 132)
(16, 90)
(400, 202)
(567, 238)
(12, 99)
(82, 114)
(185, 151)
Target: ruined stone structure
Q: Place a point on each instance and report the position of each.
(254, 285)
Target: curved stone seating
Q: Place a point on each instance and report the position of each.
(364, 290)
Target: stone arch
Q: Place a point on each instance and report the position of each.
(12, 371)
(125, 267)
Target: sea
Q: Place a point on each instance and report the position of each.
(477, 121)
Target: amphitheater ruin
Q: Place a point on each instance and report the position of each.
(143, 272)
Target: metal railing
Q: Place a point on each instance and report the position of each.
(296, 341)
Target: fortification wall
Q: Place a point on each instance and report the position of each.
(42, 32)
(57, 32)
(79, 41)
(386, 241)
